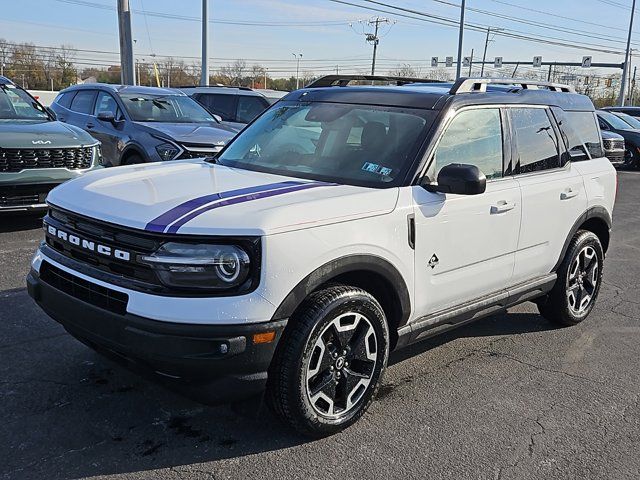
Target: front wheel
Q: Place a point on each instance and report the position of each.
(579, 276)
(330, 361)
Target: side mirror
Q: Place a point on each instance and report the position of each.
(107, 117)
(461, 179)
(218, 118)
(51, 113)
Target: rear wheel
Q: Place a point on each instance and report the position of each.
(579, 276)
(132, 159)
(330, 361)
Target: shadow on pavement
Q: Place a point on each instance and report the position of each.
(19, 222)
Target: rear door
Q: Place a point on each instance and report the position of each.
(553, 194)
(465, 244)
(82, 108)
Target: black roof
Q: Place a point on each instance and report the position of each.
(436, 95)
(135, 89)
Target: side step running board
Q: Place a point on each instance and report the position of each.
(449, 318)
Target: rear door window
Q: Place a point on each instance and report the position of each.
(83, 101)
(537, 147)
(220, 104)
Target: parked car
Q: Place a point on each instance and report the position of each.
(298, 268)
(37, 153)
(634, 122)
(272, 96)
(614, 148)
(610, 122)
(237, 106)
(633, 111)
(142, 124)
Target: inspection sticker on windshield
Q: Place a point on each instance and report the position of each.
(371, 167)
(386, 171)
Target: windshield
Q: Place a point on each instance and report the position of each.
(165, 108)
(16, 104)
(634, 122)
(353, 144)
(615, 122)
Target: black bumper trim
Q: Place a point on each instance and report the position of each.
(210, 363)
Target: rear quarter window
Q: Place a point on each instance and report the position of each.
(580, 131)
(64, 99)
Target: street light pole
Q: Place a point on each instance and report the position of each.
(265, 77)
(625, 70)
(204, 78)
(460, 38)
(484, 55)
(297, 57)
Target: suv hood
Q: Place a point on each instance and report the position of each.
(191, 133)
(39, 134)
(198, 198)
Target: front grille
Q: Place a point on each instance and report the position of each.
(17, 159)
(611, 144)
(100, 233)
(21, 196)
(616, 157)
(88, 292)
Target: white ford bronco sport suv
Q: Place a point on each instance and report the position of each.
(343, 223)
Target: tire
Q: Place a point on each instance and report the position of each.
(311, 358)
(579, 277)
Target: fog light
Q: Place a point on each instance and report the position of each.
(224, 348)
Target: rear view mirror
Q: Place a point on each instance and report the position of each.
(217, 118)
(461, 179)
(107, 117)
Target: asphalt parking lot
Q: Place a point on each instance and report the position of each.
(509, 397)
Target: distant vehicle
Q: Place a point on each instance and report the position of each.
(609, 122)
(614, 148)
(142, 124)
(633, 111)
(272, 96)
(37, 152)
(237, 106)
(632, 121)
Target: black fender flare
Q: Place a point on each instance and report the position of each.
(345, 265)
(596, 212)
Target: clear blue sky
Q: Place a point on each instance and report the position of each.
(320, 30)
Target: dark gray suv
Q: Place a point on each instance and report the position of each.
(142, 124)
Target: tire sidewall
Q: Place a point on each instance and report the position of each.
(583, 239)
(350, 302)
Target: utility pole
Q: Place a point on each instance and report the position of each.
(633, 86)
(471, 62)
(297, 57)
(460, 38)
(484, 55)
(126, 42)
(375, 40)
(626, 70)
(204, 79)
(265, 77)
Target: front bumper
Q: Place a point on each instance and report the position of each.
(209, 363)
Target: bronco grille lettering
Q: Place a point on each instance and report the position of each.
(85, 244)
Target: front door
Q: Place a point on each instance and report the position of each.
(465, 244)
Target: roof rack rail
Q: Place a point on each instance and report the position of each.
(215, 85)
(469, 85)
(344, 80)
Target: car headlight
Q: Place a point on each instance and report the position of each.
(98, 155)
(200, 266)
(167, 151)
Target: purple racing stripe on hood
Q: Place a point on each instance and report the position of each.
(242, 199)
(160, 223)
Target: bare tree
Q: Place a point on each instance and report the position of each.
(404, 70)
(234, 72)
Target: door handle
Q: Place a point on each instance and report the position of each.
(569, 193)
(90, 125)
(502, 206)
